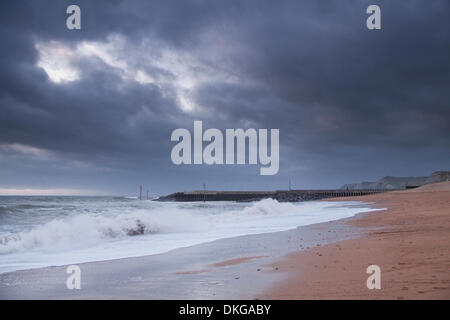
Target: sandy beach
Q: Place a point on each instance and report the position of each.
(409, 241)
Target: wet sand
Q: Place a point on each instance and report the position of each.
(410, 242)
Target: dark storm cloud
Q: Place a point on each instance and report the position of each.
(345, 98)
(353, 86)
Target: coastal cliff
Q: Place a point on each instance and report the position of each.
(392, 183)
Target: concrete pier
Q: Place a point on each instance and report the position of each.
(280, 195)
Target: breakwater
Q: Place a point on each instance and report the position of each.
(279, 195)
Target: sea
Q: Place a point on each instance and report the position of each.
(46, 231)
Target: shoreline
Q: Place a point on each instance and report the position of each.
(320, 261)
(410, 242)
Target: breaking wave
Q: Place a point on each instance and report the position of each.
(85, 229)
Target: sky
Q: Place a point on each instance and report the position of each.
(91, 111)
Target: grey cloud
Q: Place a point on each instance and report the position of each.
(345, 98)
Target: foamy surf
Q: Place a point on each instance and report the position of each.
(36, 232)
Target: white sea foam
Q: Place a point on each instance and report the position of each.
(75, 231)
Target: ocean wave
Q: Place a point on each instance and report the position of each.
(270, 207)
(95, 227)
(77, 231)
(87, 229)
(27, 207)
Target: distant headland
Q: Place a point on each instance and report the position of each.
(393, 183)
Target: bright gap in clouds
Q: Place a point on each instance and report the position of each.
(148, 63)
(30, 151)
(56, 59)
